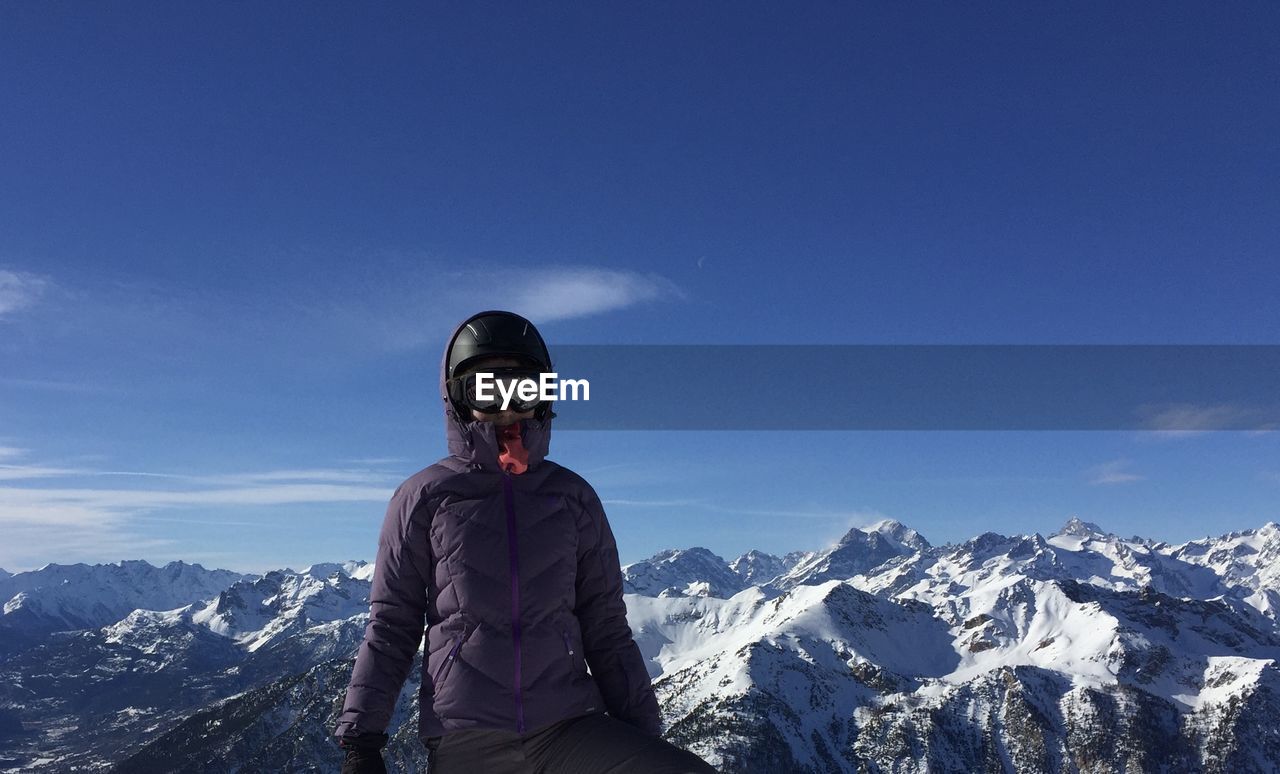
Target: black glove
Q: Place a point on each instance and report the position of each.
(364, 760)
(432, 743)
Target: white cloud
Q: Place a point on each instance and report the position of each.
(652, 503)
(20, 290)
(841, 519)
(314, 475)
(1113, 473)
(21, 472)
(414, 303)
(1181, 420)
(329, 319)
(377, 460)
(101, 500)
(11, 472)
(551, 294)
(55, 385)
(74, 523)
(37, 533)
(859, 515)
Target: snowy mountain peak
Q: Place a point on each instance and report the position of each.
(262, 610)
(1085, 529)
(884, 524)
(693, 571)
(860, 550)
(898, 533)
(322, 570)
(61, 597)
(757, 566)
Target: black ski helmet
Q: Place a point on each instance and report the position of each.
(496, 333)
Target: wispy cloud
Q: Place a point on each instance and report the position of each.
(414, 303)
(1112, 472)
(679, 503)
(324, 320)
(13, 472)
(21, 472)
(854, 516)
(611, 466)
(128, 499)
(553, 294)
(20, 290)
(866, 515)
(839, 520)
(73, 523)
(1182, 420)
(37, 533)
(33, 545)
(377, 460)
(310, 475)
(54, 385)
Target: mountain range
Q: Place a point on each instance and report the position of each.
(1080, 651)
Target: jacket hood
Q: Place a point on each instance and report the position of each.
(475, 441)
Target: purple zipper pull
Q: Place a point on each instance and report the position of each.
(440, 669)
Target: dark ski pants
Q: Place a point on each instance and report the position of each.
(587, 744)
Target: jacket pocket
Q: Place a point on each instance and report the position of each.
(569, 652)
(442, 671)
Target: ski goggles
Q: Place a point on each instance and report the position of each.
(497, 382)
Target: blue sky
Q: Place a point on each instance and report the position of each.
(234, 236)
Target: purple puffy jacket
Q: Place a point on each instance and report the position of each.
(515, 579)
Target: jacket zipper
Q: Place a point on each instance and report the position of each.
(435, 681)
(442, 671)
(564, 633)
(515, 592)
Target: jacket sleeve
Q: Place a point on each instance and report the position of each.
(615, 660)
(397, 613)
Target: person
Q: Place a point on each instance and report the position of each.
(508, 562)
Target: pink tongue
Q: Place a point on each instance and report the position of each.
(512, 456)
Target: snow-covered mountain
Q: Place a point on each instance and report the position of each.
(1244, 560)
(699, 572)
(1081, 651)
(360, 570)
(756, 567)
(682, 572)
(859, 551)
(67, 597)
(151, 669)
(259, 611)
(80, 596)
